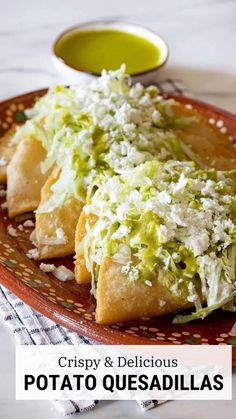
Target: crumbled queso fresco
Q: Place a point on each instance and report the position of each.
(11, 231)
(33, 254)
(28, 223)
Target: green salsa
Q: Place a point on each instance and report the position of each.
(95, 50)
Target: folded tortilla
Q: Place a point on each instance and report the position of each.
(7, 149)
(212, 147)
(119, 299)
(64, 217)
(82, 275)
(24, 177)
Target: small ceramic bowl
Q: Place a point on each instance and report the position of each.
(73, 75)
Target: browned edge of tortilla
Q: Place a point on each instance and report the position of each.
(24, 177)
(65, 216)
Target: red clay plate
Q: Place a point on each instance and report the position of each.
(71, 304)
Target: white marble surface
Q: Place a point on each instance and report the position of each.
(201, 35)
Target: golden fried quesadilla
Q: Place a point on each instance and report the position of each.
(164, 231)
(24, 177)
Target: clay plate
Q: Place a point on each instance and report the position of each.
(72, 305)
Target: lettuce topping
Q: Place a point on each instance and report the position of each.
(171, 219)
(107, 126)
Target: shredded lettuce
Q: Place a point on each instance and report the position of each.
(201, 314)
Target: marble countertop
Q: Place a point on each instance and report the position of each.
(201, 35)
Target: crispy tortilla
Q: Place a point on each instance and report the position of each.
(211, 146)
(82, 275)
(7, 149)
(24, 177)
(119, 299)
(64, 217)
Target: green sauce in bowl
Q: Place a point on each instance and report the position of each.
(93, 50)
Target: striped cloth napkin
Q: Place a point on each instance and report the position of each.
(32, 328)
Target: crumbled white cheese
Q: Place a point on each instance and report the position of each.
(126, 268)
(63, 274)
(122, 231)
(123, 255)
(198, 243)
(60, 238)
(148, 283)
(164, 197)
(180, 185)
(47, 267)
(162, 303)
(156, 116)
(20, 227)
(33, 254)
(11, 231)
(28, 223)
(60, 233)
(131, 271)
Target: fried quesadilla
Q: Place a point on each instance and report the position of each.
(24, 177)
(55, 230)
(162, 238)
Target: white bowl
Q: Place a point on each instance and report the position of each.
(74, 75)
